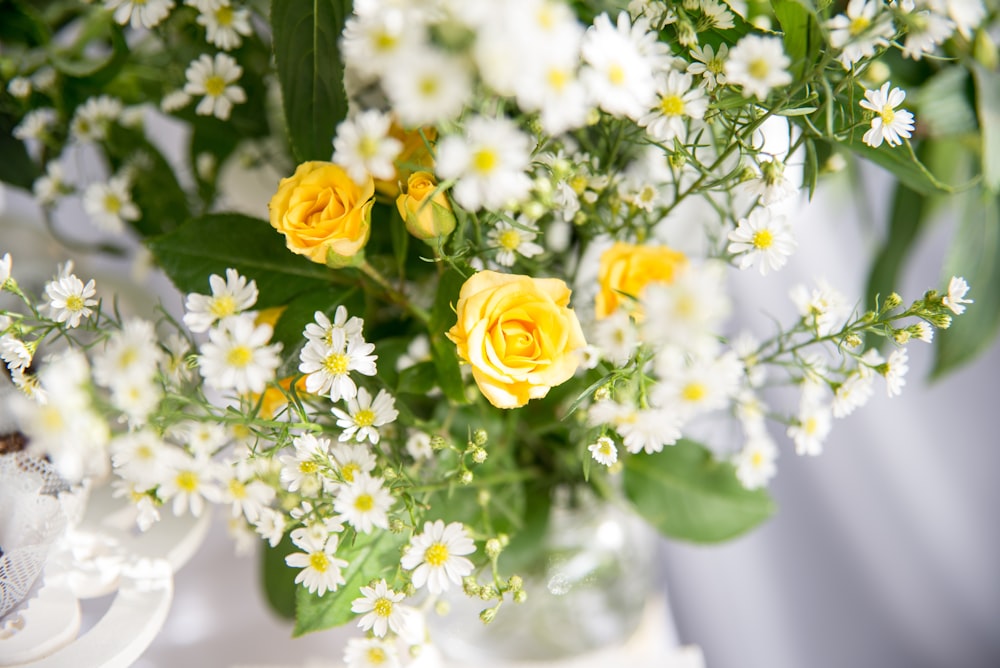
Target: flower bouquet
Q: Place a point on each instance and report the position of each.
(499, 266)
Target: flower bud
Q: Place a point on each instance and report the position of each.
(891, 302)
(493, 548)
(478, 455)
(480, 437)
(515, 583)
(425, 210)
(466, 477)
(488, 615)
(520, 596)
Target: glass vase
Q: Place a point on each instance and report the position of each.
(588, 586)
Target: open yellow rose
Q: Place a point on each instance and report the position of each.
(323, 213)
(626, 269)
(518, 334)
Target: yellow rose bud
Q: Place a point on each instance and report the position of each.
(518, 334)
(415, 155)
(626, 269)
(323, 213)
(427, 214)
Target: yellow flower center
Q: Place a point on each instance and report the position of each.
(858, 26)
(364, 503)
(763, 239)
(347, 471)
(365, 417)
(335, 364)
(384, 41)
(308, 467)
(616, 75)
(144, 452)
(810, 426)
(694, 392)
(215, 85)
(377, 656)
(757, 460)
(436, 555)
(368, 147)
(224, 16)
(52, 418)
(112, 204)
(428, 86)
(510, 239)
(187, 481)
(546, 17)
(237, 489)
(383, 607)
(74, 303)
(222, 306)
(558, 78)
(672, 105)
(606, 448)
(484, 160)
(239, 356)
(319, 562)
(887, 114)
(759, 68)
(715, 66)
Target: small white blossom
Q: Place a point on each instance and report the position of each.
(237, 356)
(364, 503)
(321, 570)
(365, 415)
(92, 118)
(853, 393)
(925, 30)
(363, 146)
(432, 87)
(19, 87)
(14, 352)
(677, 102)
(175, 100)
(889, 124)
(189, 482)
(859, 31)
(225, 26)
(321, 331)
(710, 65)
(228, 298)
(513, 240)
(216, 80)
(811, 427)
(110, 204)
(955, 299)
(352, 460)
(618, 76)
(603, 451)
(140, 13)
(755, 462)
(270, 524)
(51, 185)
(302, 469)
(436, 556)
(758, 64)
(763, 239)
(69, 299)
(35, 124)
(370, 653)
(328, 367)
(381, 612)
(895, 372)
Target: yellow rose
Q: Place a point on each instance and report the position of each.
(426, 217)
(323, 213)
(627, 269)
(518, 334)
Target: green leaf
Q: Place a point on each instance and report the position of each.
(904, 165)
(277, 578)
(686, 493)
(988, 109)
(22, 24)
(370, 557)
(211, 244)
(99, 35)
(974, 255)
(943, 106)
(16, 166)
(310, 71)
(443, 351)
(801, 37)
(418, 379)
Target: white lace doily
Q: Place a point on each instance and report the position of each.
(31, 520)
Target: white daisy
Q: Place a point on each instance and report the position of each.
(228, 298)
(603, 451)
(513, 240)
(321, 331)
(925, 30)
(237, 356)
(130, 353)
(364, 416)
(363, 146)
(716, 14)
(14, 353)
(758, 64)
(188, 482)
(853, 393)
(69, 299)
(616, 337)
(689, 312)
(35, 124)
(380, 611)
(352, 461)
(246, 497)
(144, 513)
(489, 162)
(270, 525)
(216, 80)
(710, 65)
(225, 26)
(370, 653)
(303, 468)
(691, 387)
(763, 239)
(436, 556)
(678, 102)
(811, 427)
(51, 185)
(824, 309)
(92, 118)
(955, 299)
(376, 43)
(136, 398)
(110, 204)
(647, 429)
(140, 13)
(140, 456)
(364, 503)
(618, 76)
(175, 100)
(19, 87)
(967, 14)
(859, 31)
(433, 87)
(889, 124)
(755, 462)
(328, 367)
(771, 186)
(321, 570)
(894, 370)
